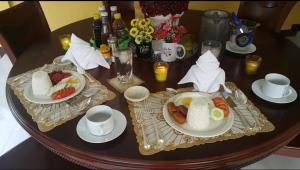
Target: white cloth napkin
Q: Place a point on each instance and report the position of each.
(206, 74)
(86, 56)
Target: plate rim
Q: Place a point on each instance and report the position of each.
(255, 85)
(115, 112)
(230, 120)
(81, 78)
(67, 62)
(228, 48)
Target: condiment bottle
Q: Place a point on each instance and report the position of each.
(112, 43)
(113, 10)
(97, 29)
(105, 51)
(106, 29)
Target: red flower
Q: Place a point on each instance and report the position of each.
(182, 29)
(176, 39)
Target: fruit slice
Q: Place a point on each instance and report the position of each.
(217, 114)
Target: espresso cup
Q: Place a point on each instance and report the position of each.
(100, 120)
(276, 85)
(170, 52)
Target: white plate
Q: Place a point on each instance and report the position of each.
(58, 61)
(28, 94)
(257, 86)
(136, 93)
(85, 134)
(251, 49)
(215, 128)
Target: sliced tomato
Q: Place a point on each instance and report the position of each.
(63, 93)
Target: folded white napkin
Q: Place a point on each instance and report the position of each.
(86, 56)
(206, 74)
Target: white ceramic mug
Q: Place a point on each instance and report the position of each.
(169, 52)
(276, 85)
(99, 120)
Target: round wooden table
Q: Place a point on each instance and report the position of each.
(279, 55)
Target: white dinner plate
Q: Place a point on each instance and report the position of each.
(28, 94)
(257, 86)
(58, 61)
(215, 127)
(251, 49)
(86, 135)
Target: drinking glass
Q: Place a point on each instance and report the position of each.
(124, 65)
(252, 64)
(65, 41)
(161, 71)
(212, 45)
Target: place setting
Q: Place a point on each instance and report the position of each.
(212, 110)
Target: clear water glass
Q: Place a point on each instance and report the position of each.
(212, 45)
(123, 63)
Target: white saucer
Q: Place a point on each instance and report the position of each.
(84, 133)
(136, 93)
(250, 49)
(257, 86)
(58, 61)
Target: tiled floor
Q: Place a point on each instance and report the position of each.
(11, 133)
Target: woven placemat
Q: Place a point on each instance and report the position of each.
(48, 116)
(150, 112)
(121, 87)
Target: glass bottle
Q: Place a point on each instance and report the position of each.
(120, 31)
(106, 29)
(113, 10)
(112, 43)
(97, 29)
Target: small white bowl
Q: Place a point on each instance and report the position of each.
(136, 93)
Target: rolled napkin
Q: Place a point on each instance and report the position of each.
(206, 74)
(86, 56)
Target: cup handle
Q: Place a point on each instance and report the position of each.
(182, 47)
(287, 91)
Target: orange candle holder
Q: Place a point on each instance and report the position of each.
(65, 40)
(161, 71)
(252, 64)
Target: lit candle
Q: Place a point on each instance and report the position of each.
(65, 41)
(161, 71)
(252, 64)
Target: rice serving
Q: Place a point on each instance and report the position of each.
(41, 83)
(198, 113)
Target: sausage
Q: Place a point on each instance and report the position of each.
(182, 109)
(179, 117)
(171, 107)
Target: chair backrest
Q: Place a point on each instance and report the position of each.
(21, 26)
(270, 14)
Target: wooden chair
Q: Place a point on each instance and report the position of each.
(270, 14)
(21, 26)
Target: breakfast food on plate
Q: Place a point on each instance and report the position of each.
(57, 76)
(220, 103)
(41, 83)
(198, 113)
(56, 84)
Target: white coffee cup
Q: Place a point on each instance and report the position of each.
(276, 85)
(169, 52)
(99, 120)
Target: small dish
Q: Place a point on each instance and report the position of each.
(58, 61)
(256, 88)
(86, 135)
(136, 93)
(251, 49)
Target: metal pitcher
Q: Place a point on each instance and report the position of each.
(215, 26)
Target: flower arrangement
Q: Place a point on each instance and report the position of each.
(155, 8)
(170, 32)
(141, 30)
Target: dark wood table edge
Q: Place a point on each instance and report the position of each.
(85, 159)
